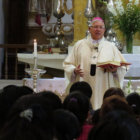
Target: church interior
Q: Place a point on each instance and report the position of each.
(39, 53)
(56, 25)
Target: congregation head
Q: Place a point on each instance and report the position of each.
(53, 99)
(117, 124)
(9, 95)
(66, 125)
(115, 102)
(133, 100)
(29, 118)
(113, 91)
(78, 104)
(83, 87)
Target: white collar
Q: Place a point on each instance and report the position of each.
(97, 41)
(92, 43)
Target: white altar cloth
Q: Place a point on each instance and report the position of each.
(44, 60)
(56, 61)
(57, 85)
(134, 70)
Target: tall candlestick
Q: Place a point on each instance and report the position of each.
(35, 48)
(35, 63)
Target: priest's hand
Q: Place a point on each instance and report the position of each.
(111, 68)
(79, 71)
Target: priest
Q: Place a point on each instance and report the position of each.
(81, 63)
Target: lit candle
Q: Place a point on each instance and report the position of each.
(35, 48)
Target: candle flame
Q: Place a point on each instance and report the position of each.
(35, 41)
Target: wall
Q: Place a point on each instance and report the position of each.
(1, 34)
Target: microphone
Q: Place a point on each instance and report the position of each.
(92, 69)
(96, 48)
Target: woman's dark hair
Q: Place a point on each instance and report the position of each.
(133, 100)
(83, 87)
(8, 97)
(52, 99)
(113, 91)
(66, 125)
(116, 125)
(29, 118)
(78, 104)
(114, 102)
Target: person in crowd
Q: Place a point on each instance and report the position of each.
(114, 102)
(81, 63)
(113, 91)
(66, 125)
(133, 100)
(116, 125)
(8, 97)
(78, 103)
(85, 89)
(52, 98)
(82, 86)
(109, 92)
(30, 118)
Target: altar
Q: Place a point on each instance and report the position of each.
(56, 61)
(58, 86)
(44, 60)
(134, 69)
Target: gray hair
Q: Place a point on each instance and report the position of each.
(92, 21)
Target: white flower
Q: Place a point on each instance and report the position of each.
(136, 2)
(125, 17)
(112, 10)
(119, 7)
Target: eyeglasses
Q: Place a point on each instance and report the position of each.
(98, 27)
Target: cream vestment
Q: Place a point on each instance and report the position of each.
(84, 54)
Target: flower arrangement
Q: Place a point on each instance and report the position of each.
(128, 89)
(126, 18)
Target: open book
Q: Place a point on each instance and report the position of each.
(112, 64)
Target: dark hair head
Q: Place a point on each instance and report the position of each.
(116, 125)
(52, 99)
(113, 91)
(133, 100)
(8, 97)
(83, 87)
(66, 125)
(114, 102)
(29, 118)
(17, 91)
(78, 104)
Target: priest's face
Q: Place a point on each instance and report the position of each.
(97, 30)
